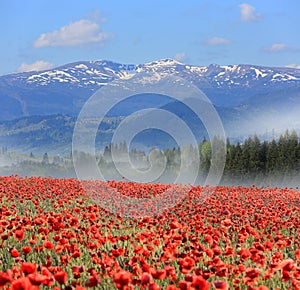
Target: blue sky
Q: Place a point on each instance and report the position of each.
(43, 34)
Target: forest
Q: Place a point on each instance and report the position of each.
(265, 163)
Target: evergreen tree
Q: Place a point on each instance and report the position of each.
(45, 159)
(272, 157)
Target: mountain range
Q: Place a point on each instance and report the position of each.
(249, 98)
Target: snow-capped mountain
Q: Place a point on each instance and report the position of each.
(98, 73)
(38, 109)
(65, 89)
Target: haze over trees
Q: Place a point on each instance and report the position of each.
(275, 162)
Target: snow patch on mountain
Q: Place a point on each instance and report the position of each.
(230, 68)
(259, 73)
(284, 77)
(124, 75)
(81, 66)
(163, 63)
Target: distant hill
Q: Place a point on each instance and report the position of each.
(39, 109)
(40, 134)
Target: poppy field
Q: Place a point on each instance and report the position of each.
(54, 236)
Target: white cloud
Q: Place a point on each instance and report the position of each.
(36, 66)
(277, 47)
(216, 41)
(292, 65)
(181, 56)
(74, 34)
(248, 13)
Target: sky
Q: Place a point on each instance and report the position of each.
(37, 35)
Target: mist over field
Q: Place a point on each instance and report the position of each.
(248, 161)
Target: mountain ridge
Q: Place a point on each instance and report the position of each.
(65, 89)
(249, 99)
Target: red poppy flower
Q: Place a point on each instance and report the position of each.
(61, 277)
(252, 273)
(14, 253)
(208, 239)
(175, 225)
(93, 281)
(28, 268)
(76, 254)
(118, 252)
(226, 223)
(4, 237)
(18, 235)
(244, 254)
(223, 285)
(286, 276)
(78, 287)
(23, 284)
(122, 279)
(153, 286)
(184, 285)
(186, 264)
(171, 287)
(26, 250)
(159, 274)
(288, 265)
(48, 245)
(146, 278)
(6, 277)
(38, 279)
(200, 283)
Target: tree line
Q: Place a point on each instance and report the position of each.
(275, 162)
(253, 161)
